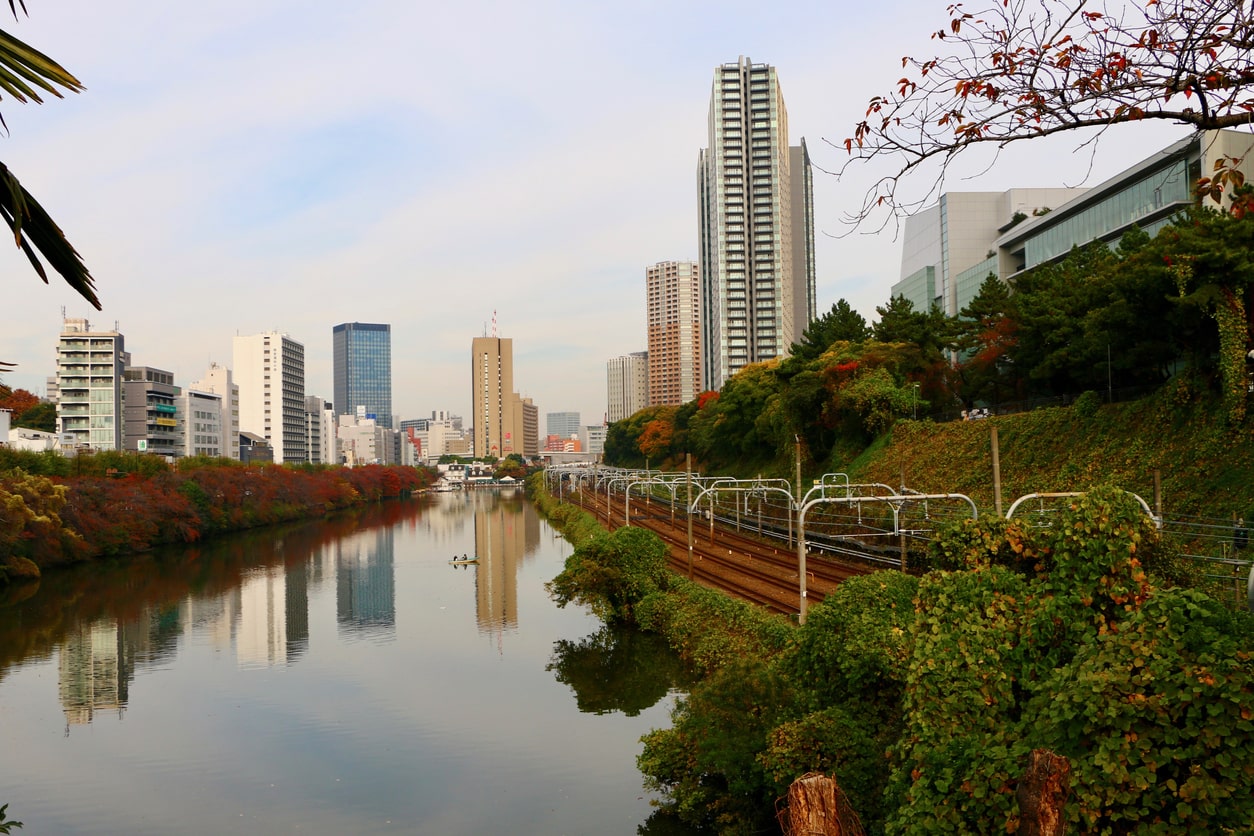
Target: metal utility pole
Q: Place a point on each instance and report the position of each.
(801, 540)
(688, 469)
(996, 475)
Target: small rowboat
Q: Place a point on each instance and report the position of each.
(466, 562)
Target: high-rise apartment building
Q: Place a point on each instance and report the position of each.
(492, 397)
(361, 354)
(673, 290)
(627, 380)
(756, 225)
(270, 371)
(90, 370)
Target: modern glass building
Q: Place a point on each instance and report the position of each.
(362, 366)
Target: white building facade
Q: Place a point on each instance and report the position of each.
(756, 226)
(219, 381)
(270, 371)
(627, 385)
(201, 424)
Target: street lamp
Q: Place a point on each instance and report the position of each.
(916, 401)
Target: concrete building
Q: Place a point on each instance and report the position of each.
(270, 371)
(756, 225)
(529, 416)
(949, 249)
(627, 385)
(673, 298)
(219, 381)
(89, 385)
(362, 441)
(592, 439)
(203, 424)
(361, 354)
(150, 412)
(493, 398)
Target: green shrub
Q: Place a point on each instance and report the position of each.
(1087, 405)
(611, 572)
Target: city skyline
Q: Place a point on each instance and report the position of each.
(213, 197)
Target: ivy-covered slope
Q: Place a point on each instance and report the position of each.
(1206, 466)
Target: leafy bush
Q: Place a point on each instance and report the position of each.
(1087, 405)
(611, 572)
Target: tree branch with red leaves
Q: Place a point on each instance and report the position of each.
(1023, 69)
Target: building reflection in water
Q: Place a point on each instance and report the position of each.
(504, 536)
(94, 672)
(365, 583)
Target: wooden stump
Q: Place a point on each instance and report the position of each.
(1042, 794)
(817, 807)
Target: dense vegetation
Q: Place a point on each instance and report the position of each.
(924, 697)
(1127, 320)
(55, 510)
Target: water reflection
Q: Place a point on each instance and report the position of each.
(325, 679)
(250, 595)
(94, 672)
(618, 669)
(365, 584)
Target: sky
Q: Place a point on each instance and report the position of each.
(272, 165)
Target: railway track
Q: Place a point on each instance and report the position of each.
(756, 570)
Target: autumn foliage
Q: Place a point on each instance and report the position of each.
(59, 519)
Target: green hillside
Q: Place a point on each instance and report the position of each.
(1206, 467)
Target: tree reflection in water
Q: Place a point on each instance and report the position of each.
(618, 669)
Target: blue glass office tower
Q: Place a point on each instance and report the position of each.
(361, 355)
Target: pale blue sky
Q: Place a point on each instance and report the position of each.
(238, 167)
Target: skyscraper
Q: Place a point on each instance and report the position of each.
(361, 355)
(270, 371)
(673, 290)
(492, 397)
(756, 225)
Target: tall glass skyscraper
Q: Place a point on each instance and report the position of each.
(362, 363)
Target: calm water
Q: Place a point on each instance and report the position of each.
(333, 678)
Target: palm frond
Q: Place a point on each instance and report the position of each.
(20, 59)
(34, 230)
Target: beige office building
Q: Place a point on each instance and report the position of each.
(493, 400)
(756, 225)
(674, 315)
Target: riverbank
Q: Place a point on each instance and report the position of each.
(926, 699)
(50, 521)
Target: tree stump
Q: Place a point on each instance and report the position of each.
(1042, 794)
(816, 806)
